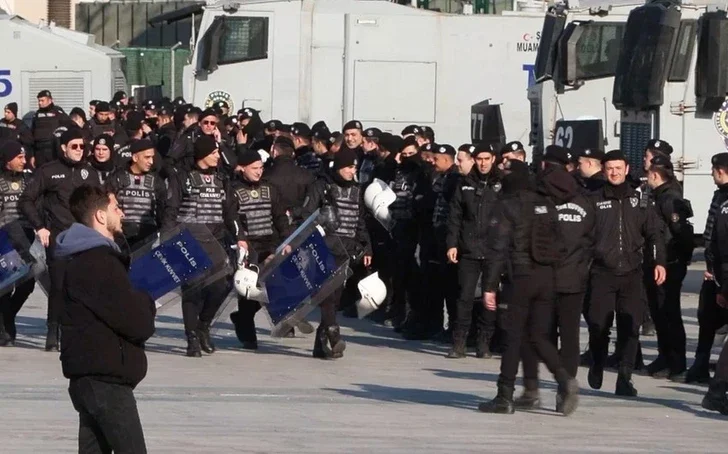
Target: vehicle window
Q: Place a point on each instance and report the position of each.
(597, 49)
(680, 66)
(244, 39)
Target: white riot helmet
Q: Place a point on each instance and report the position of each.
(378, 194)
(245, 280)
(373, 291)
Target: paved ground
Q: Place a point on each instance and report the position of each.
(386, 395)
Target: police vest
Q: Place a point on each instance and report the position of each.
(442, 207)
(8, 130)
(100, 128)
(346, 203)
(402, 208)
(45, 123)
(203, 199)
(137, 198)
(256, 210)
(10, 190)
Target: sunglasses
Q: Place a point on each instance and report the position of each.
(76, 146)
(209, 123)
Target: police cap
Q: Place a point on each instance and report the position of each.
(300, 129)
(446, 149)
(660, 146)
(592, 153)
(353, 124)
(274, 125)
(661, 161)
(102, 106)
(247, 112)
(614, 155)
(557, 154)
(484, 147)
(208, 113)
(512, 146)
(720, 160)
(44, 94)
(372, 133)
(411, 129)
(427, 147)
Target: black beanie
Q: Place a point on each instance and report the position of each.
(13, 107)
(344, 158)
(208, 113)
(9, 150)
(248, 157)
(204, 146)
(72, 134)
(105, 139)
(140, 145)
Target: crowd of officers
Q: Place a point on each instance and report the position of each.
(517, 253)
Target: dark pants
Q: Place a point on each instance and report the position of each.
(199, 305)
(710, 318)
(622, 294)
(469, 273)
(405, 284)
(565, 325)
(528, 306)
(442, 284)
(12, 302)
(248, 308)
(56, 271)
(721, 368)
(108, 417)
(666, 313)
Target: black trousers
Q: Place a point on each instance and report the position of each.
(405, 282)
(623, 294)
(666, 313)
(441, 283)
(469, 273)
(565, 325)
(12, 302)
(528, 307)
(199, 305)
(710, 318)
(108, 417)
(248, 308)
(721, 368)
(56, 271)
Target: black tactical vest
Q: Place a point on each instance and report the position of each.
(442, 207)
(402, 208)
(8, 131)
(256, 211)
(97, 128)
(10, 190)
(202, 200)
(137, 198)
(346, 202)
(45, 123)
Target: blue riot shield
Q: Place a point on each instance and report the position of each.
(16, 262)
(180, 260)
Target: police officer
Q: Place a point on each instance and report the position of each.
(321, 143)
(141, 194)
(134, 126)
(524, 244)
(264, 225)
(13, 178)
(181, 155)
(622, 228)
(711, 315)
(590, 175)
(102, 124)
(370, 146)
(470, 211)
(203, 196)
(340, 192)
(575, 215)
(166, 132)
(464, 160)
(12, 128)
(290, 181)
(305, 156)
(47, 119)
(50, 189)
(103, 156)
(353, 136)
(512, 150)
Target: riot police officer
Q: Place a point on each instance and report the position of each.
(46, 120)
(370, 145)
(52, 185)
(623, 227)
(12, 128)
(203, 196)
(102, 124)
(290, 181)
(181, 155)
(13, 178)
(264, 225)
(306, 158)
(103, 156)
(470, 211)
(141, 194)
(340, 192)
(524, 244)
(590, 175)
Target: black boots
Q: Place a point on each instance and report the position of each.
(530, 398)
(328, 343)
(502, 403)
(458, 346)
(699, 372)
(596, 376)
(715, 399)
(245, 330)
(52, 337)
(567, 397)
(624, 385)
(482, 346)
(203, 333)
(193, 345)
(5, 337)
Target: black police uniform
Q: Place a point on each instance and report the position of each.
(470, 212)
(264, 225)
(164, 137)
(21, 234)
(291, 183)
(200, 197)
(674, 212)
(52, 185)
(111, 128)
(17, 131)
(142, 198)
(181, 154)
(524, 245)
(308, 160)
(576, 221)
(45, 122)
(346, 199)
(623, 227)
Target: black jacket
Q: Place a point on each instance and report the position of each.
(470, 211)
(674, 212)
(719, 197)
(718, 247)
(623, 227)
(104, 327)
(576, 219)
(53, 184)
(181, 155)
(291, 182)
(592, 184)
(16, 130)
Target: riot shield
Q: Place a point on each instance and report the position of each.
(17, 264)
(305, 269)
(176, 261)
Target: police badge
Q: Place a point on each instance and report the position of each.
(84, 174)
(254, 194)
(634, 201)
(15, 185)
(497, 186)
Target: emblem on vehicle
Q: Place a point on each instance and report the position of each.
(720, 120)
(219, 95)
